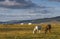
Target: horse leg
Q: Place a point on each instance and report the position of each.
(39, 31)
(46, 31)
(34, 31)
(49, 30)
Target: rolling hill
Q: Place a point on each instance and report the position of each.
(32, 21)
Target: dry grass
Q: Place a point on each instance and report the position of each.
(17, 31)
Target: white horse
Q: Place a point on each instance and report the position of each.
(37, 29)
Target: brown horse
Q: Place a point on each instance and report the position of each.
(48, 28)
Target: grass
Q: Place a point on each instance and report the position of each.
(17, 31)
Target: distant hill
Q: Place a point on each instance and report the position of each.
(42, 20)
(32, 21)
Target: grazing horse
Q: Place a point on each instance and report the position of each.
(37, 29)
(48, 28)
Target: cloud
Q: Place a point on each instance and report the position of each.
(55, 0)
(2, 0)
(22, 14)
(16, 4)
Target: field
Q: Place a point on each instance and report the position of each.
(17, 31)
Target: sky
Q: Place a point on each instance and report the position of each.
(52, 9)
(47, 3)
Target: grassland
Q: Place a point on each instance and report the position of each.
(17, 31)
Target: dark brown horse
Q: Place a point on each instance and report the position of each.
(48, 28)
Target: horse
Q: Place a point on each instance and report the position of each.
(48, 28)
(37, 29)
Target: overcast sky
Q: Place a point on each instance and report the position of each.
(29, 14)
